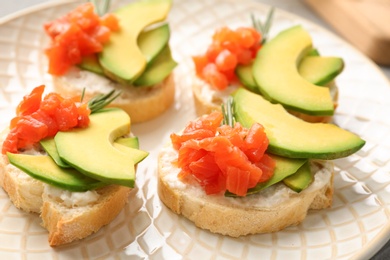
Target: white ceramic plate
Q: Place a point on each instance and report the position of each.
(355, 227)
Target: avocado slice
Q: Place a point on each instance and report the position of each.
(158, 70)
(284, 168)
(276, 74)
(121, 58)
(131, 142)
(91, 63)
(43, 168)
(90, 150)
(50, 147)
(301, 179)
(315, 69)
(313, 52)
(244, 74)
(50, 169)
(290, 136)
(137, 155)
(320, 70)
(152, 41)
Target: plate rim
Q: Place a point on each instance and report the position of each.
(374, 245)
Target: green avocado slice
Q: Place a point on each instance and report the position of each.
(153, 44)
(284, 168)
(121, 58)
(137, 155)
(301, 179)
(277, 77)
(244, 74)
(152, 41)
(290, 136)
(315, 69)
(320, 70)
(131, 142)
(53, 170)
(158, 70)
(91, 63)
(43, 168)
(91, 151)
(50, 147)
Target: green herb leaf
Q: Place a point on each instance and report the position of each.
(100, 101)
(228, 113)
(82, 95)
(263, 28)
(101, 6)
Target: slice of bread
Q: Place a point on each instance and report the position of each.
(68, 216)
(68, 222)
(271, 210)
(207, 100)
(141, 103)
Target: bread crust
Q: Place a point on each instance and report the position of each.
(65, 224)
(24, 192)
(239, 220)
(141, 103)
(204, 106)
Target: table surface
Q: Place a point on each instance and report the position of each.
(294, 6)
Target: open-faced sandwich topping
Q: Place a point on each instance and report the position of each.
(285, 69)
(228, 49)
(80, 33)
(71, 161)
(38, 118)
(223, 157)
(126, 50)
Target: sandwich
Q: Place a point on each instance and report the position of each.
(126, 50)
(73, 163)
(285, 69)
(253, 168)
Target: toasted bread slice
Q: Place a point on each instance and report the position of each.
(273, 209)
(68, 216)
(141, 103)
(67, 221)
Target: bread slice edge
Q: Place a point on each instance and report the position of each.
(141, 103)
(239, 219)
(64, 223)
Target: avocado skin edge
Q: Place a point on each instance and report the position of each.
(64, 178)
(280, 56)
(82, 148)
(243, 98)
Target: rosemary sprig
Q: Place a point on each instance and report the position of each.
(228, 113)
(100, 101)
(263, 28)
(101, 6)
(82, 95)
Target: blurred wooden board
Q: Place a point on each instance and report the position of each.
(364, 23)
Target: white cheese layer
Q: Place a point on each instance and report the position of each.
(94, 84)
(213, 95)
(71, 199)
(66, 198)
